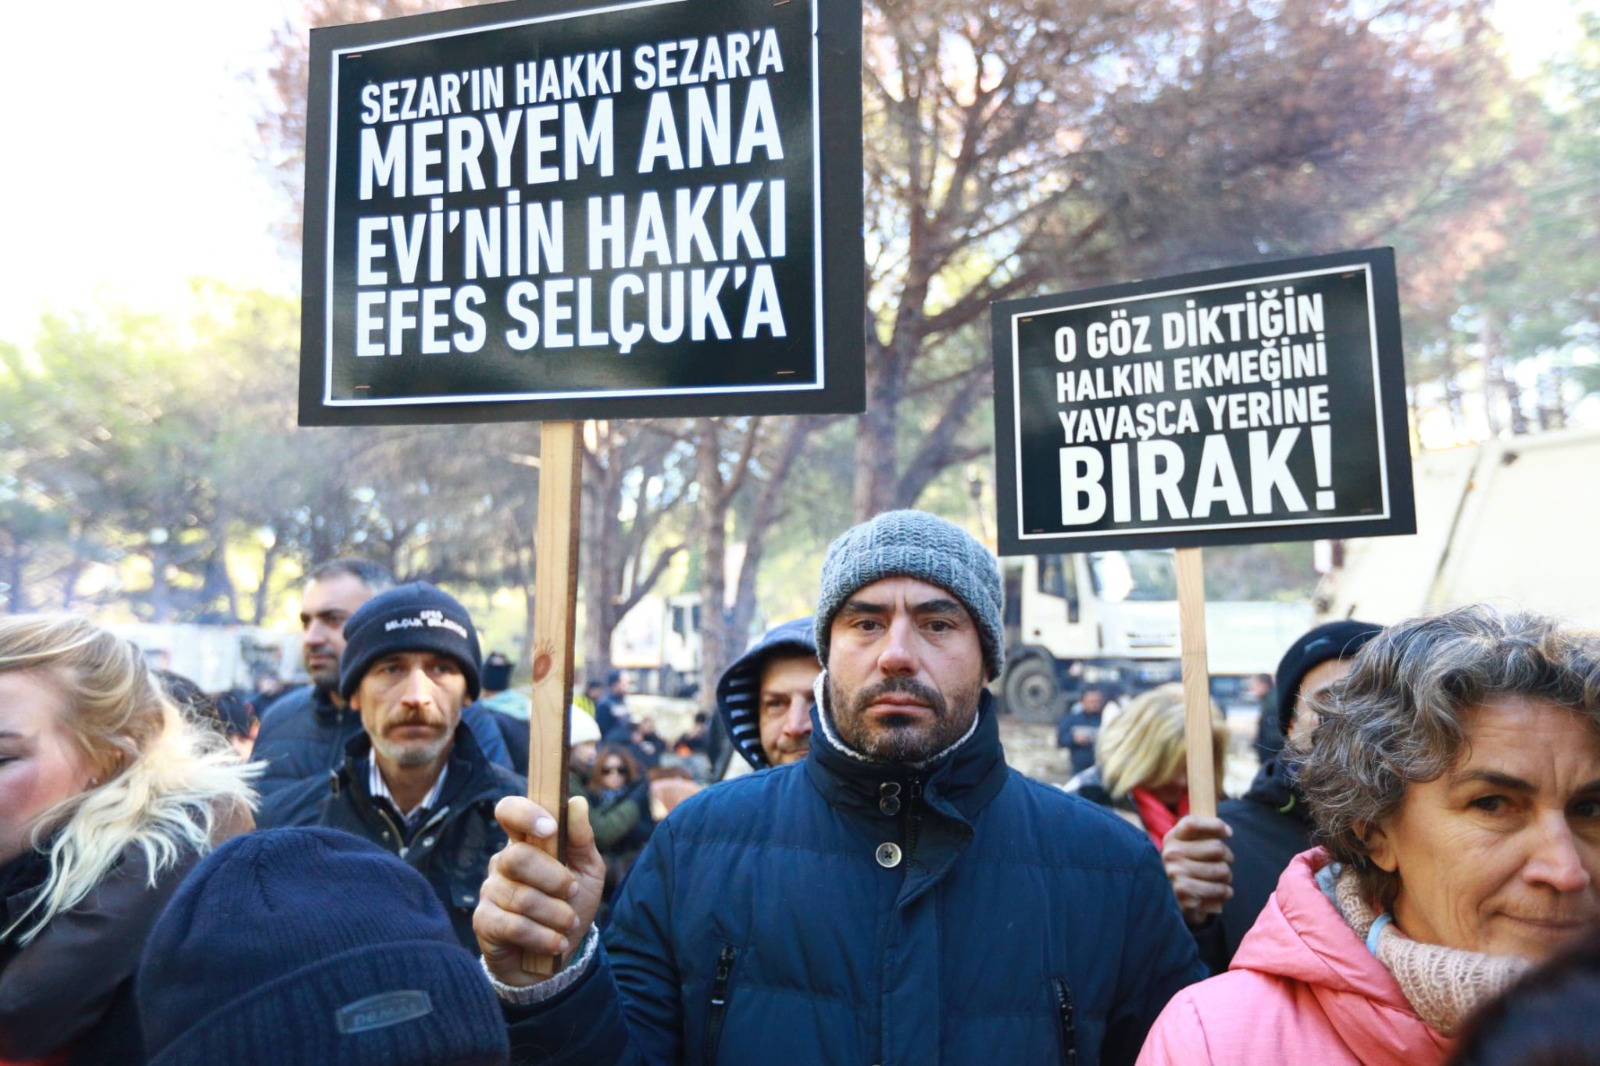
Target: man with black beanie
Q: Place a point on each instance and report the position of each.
(304, 732)
(414, 780)
(1222, 888)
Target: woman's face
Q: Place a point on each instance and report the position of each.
(39, 764)
(1500, 854)
(610, 772)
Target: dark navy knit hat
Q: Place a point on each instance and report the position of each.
(1331, 640)
(299, 946)
(918, 545)
(414, 617)
(497, 672)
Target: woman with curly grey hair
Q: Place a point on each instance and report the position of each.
(1454, 779)
(108, 797)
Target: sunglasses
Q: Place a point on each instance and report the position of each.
(613, 769)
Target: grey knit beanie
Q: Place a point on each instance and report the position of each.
(922, 546)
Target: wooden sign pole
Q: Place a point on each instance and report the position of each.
(1196, 683)
(555, 595)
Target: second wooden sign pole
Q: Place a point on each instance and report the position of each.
(1196, 683)
(555, 601)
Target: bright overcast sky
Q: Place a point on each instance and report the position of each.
(128, 162)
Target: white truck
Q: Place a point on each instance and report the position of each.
(1508, 521)
(1112, 617)
(658, 642)
(218, 658)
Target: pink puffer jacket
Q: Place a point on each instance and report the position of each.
(1303, 989)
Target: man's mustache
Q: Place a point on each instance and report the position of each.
(910, 686)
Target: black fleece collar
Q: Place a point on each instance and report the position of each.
(964, 779)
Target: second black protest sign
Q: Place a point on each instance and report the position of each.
(1255, 403)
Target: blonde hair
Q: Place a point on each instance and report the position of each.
(163, 783)
(1144, 745)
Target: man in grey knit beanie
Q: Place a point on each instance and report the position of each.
(922, 901)
(923, 546)
(908, 628)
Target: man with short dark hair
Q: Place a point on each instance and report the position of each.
(1222, 889)
(303, 733)
(1080, 727)
(898, 896)
(413, 780)
(611, 711)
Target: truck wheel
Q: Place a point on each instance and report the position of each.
(1031, 691)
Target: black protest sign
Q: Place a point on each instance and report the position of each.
(1243, 405)
(557, 210)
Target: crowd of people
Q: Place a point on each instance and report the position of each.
(1409, 879)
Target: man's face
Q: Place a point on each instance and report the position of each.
(786, 699)
(1093, 701)
(904, 670)
(581, 757)
(323, 610)
(1317, 678)
(410, 704)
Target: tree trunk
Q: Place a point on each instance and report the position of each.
(16, 595)
(597, 525)
(713, 523)
(876, 441)
(160, 597)
(269, 563)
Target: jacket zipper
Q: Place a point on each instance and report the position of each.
(913, 818)
(400, 845)
(1069, 1029)
(719, 1002)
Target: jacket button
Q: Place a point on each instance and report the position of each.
(888, 855)
(889, 805)
(427, 842)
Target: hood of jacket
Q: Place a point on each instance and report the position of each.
(1301, 937)
(739, 690)
(1272, 788)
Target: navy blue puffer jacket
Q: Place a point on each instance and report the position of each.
(846, 911)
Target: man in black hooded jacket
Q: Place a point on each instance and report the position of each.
(1222, 888)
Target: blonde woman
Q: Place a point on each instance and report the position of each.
(1141, 768)
(108, 796)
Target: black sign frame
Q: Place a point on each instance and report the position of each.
(1037, 411)
(819, 365)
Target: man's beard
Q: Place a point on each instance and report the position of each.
(901, 738)
(324, 678)
(415, 753)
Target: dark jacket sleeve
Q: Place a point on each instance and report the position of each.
(628, 1007)
(299, 804)
(80, 968)
(582, 1025)
(491, 741)
(292, 743)
(1159, 959)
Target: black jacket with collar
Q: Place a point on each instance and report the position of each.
(69, 991)
(845, 910)
(451, 848)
